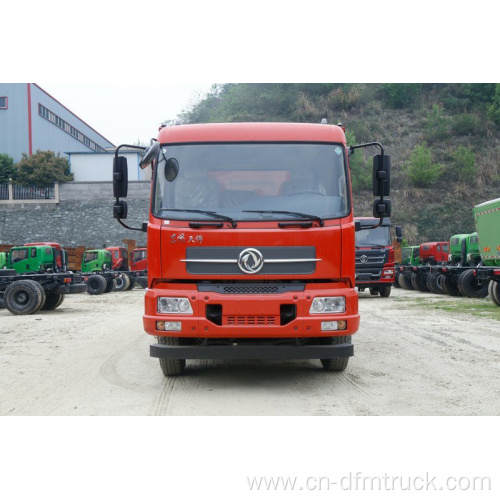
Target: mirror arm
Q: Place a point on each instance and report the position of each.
(128, 146)
(142, 229)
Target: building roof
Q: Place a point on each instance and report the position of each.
(69, 110)
(251, 132)
(122, 151)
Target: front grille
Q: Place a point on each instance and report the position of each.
(250, 320)
(370, 257)
(251, 289)
(232, 254)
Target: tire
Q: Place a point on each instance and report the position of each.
(432, 283)
(24, 297)
(110, 286)
(133, 282)
(122, 283)
(418, 283)
(171, 367)
(470, 287)
(449, 286)
(493, 291)
(336, 364)
(396, 281)
(2, 303)
(143, 284)
(440, 284)
(405, 282)
(53, 301)
(385, 291)
(96, 285)
(373, 291)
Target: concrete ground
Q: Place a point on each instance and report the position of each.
(415, 354)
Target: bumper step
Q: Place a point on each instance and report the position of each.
(252, 352)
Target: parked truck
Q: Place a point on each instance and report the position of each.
(139, 265)
(251, 250)
(487, 219)
(32, 280)
(375, 268)
(410, 257)
(97, 271)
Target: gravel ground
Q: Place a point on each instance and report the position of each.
(91, 357)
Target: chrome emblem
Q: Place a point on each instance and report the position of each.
(250, 261)
(363, 259)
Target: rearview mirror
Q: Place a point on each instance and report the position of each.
(382, 208)
(381, 175)
(171, 169)
(120, 177)
(399, 232)
(150, 154)
(120, 210)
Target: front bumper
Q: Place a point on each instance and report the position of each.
(251, 316)
(252, 352)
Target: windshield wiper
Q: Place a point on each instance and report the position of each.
(316, 218)
(371, 245)
(215, 215)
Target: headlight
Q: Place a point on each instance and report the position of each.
(174, 305)
(327, 305)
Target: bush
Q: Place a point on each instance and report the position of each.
(464, 124)
(436, 126)
(464, 164)
(421, 170)
(6, 168)
(43, 169)
(493, 111)
(400, 95)
(361, 171)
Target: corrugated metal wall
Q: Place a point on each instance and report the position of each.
(14, 120)
(14, 129)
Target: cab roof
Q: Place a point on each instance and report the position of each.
(251, 132)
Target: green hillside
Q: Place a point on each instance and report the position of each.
(444, 140)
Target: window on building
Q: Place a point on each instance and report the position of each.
(3, 102)
(63, 125)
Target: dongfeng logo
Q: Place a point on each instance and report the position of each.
(250, 261)
(363, 259)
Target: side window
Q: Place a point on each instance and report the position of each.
(439, 248)
(33, 253)
(4, 103)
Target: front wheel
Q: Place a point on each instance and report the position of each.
(336, 364)
(171, 367)
(122, 283)
(385, 291)
(471, 287)
(373, 291)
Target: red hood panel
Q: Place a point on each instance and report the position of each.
(175, 242)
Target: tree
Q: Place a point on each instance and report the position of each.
(400, 95)
(43, 169)
(6, 168)
(464, 163)
(421, 171)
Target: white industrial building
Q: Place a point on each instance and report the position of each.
(98, 167)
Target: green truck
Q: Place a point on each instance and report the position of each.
(464, 250)
(410, 257)
(487, 219)
(97, 271)
(31, 280)
(3, 260)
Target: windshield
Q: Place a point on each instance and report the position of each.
(139, 255)
(231, 178)
(379, 236)
(90, 256)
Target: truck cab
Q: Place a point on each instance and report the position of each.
(464, 250)
(410, 256)
(31, 259)
(119, 258)
(139, 261)
(60, 255)
(96, 260)
(435, 252)
(251, 248)
(375, 268)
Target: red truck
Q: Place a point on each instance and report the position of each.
(251, 242)
(434, 252)
(375, 267)
(139, 261)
